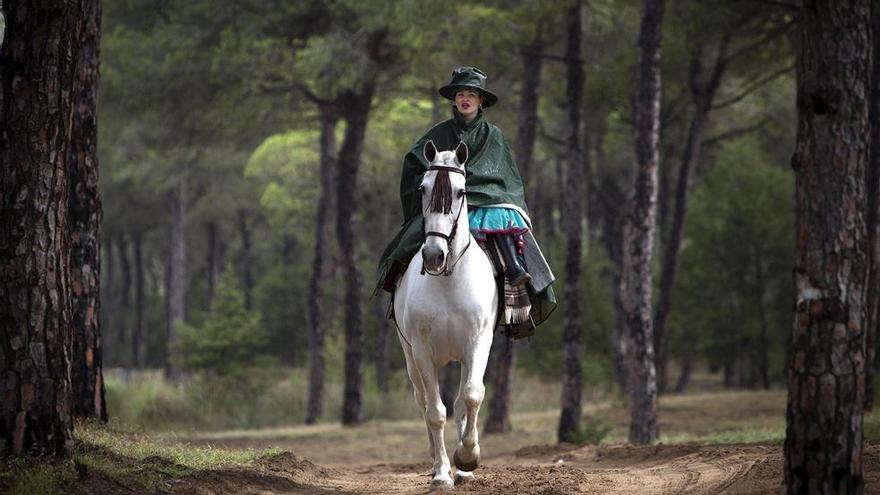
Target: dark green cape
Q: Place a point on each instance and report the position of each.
(492, 178)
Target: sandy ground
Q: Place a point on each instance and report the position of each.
(390, 457)
(614, 469)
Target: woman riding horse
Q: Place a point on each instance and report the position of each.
(497, 213)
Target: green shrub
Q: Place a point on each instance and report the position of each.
(230, 340)
(593, 430)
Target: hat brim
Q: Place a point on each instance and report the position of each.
(449, 91)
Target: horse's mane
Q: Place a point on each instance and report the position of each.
(441, 195)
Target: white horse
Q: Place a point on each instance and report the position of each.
(445, 306)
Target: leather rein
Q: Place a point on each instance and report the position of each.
(451, 236)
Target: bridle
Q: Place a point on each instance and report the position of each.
(451, 236)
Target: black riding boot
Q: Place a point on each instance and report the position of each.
(516, 274)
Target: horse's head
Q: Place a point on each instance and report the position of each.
(443, 203)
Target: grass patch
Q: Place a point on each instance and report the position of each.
(144, 461)
(872, 425)
(23, 476)
(276, 398)
(744, 435)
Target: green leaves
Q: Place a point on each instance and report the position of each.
(230, 340)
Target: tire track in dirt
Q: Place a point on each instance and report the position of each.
(540, 470)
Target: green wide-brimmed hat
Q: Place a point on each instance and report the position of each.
(472, 78)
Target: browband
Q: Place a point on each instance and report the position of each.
(448, 169)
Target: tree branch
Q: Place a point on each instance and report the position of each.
(753, 86)
(735, 133)
(757, 43)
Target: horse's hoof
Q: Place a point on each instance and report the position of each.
(463, 477)
(463, 465)
(438, 484)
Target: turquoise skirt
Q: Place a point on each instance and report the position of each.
(484, 221)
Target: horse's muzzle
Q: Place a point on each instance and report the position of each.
(434, 260)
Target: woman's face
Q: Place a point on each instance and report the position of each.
(468, 101)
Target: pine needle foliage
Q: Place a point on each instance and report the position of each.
(230, 340)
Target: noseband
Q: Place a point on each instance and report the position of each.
(449, 237)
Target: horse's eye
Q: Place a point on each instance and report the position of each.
(421, 189)
(461, 193)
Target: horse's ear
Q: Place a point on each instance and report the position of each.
(430, 151)
(461, 153)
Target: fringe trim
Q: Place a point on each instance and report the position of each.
(516, 315)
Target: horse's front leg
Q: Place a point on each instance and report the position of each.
(472, 391)
(418, 387)
(435, 417)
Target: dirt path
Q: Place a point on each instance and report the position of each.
(615, 469)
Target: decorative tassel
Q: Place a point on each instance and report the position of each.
(441, 195)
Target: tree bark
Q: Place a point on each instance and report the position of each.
(448, 381)
(329, 118)
(37, 91)
(124, 294)
(87, 379)
(175, 272)
(703, 91)
(872, 215)
(570, 417)
(826, 376)
(639, 227)
(763, 344)
(247, 269)
(528, 111)
(138, 339)
(684, 379)
(355, 108)
(214, 262)
(611, 201)
(108, 302)
(381, 356)
(355, 115)
(498, 420)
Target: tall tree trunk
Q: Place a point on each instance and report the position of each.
(329, 118)
(355, 109)
(214, 262)
(449, 378)
(108, 301)
(826, 376)
(498, 420)
(872, 215)
(37, 91)
(87, 378)
(247, 269)
(138, 339)
(570, 417)
(175, 273)
(639, 227)
(684, 379)
(620, 345)
(703, 91)
(763, 344)
(528, 111)
(381, 355)
(611, 201)
(124, 294)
